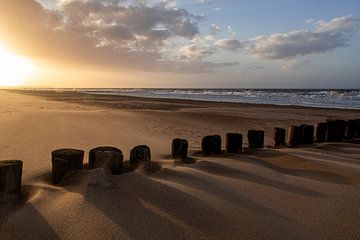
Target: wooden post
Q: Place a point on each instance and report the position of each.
(141, 155)
(331, 131)
(321, 132)
(109, 158)
(255, 139)
(234, 142)
(350, 129)
(307, 134)
(65, 159)
(59, 168)
(341, 130)
(10, 179)
(357, 130)
(310, 134)
(294, 136)
(179, 149)
(211, 145)
(75, 157)
(279, 137)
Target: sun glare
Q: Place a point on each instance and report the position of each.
(14, 70)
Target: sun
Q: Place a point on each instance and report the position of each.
(14, 70)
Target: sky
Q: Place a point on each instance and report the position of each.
(180, 44)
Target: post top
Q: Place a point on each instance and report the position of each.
(67, 151)
(10, 162)
(105, 149)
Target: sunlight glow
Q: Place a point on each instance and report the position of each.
(14, 70)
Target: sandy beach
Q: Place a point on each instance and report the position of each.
(304, 193)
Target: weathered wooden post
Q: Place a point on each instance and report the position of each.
(321, 132)
(307, 134)
(279, 137)
(109, 158)
(350, 129)
(179, 149)
(310, 134)
(331, 131)
(59, 168)
(341, 130)
(294, 136)
(65, 159)
(234, 142)
(211, 145)
(141, 155)
(255, 139)
(357, 130)
(10, 179)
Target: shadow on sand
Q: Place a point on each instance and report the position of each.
(292, 166)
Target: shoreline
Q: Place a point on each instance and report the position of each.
(67, 96)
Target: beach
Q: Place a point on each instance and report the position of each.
(310, 192)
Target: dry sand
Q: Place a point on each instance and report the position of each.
(305, 193)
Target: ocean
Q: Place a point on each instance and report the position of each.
(328, 98)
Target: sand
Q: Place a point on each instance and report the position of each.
(305, 193)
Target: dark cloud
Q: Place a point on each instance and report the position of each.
(156, 23)
(113, 32)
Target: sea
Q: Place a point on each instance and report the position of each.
(324, 98)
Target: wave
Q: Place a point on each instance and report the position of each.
(329, 98)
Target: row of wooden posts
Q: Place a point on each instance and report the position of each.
(111, 158)
(297, 135)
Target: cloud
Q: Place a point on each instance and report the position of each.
(231, 32)
(114, 32)
(296, 43)
(328, 36)
(210, 38)
(347, 24)
(140, 21)
(194, 52)
(204, 1)
(214, 28)
(127, 35)
(229, 44)
(148, 35)
(295, 63)
(194, 66)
